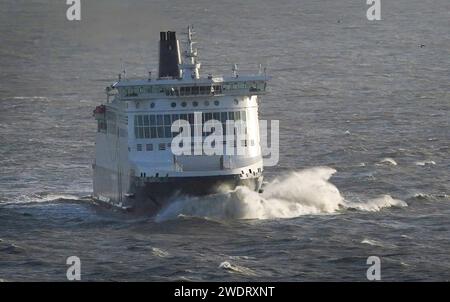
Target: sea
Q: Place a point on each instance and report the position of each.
(364, 146)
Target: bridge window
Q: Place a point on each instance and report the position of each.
(159, 125)
(167, 119)
(223, 117)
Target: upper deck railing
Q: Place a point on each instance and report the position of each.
(181, 88)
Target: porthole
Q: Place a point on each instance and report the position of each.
(216, 103)
(173, 105)
(152, 105)
(236, 101)
(195, 103)
(206, 103)
(183, 104)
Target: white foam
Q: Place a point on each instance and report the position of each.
(387, 161)
(305, 192)
(376, 204)
(425, 163)
(236, 268)
(36, 198)
(298, 193)
(30, 97)
(159, 252)
(372, 242)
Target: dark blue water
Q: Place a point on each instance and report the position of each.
(366, 101)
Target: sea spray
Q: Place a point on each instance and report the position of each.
(297, 193)
(304, 192)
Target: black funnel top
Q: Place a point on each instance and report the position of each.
(169, 55)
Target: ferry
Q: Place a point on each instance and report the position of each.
(139, 135)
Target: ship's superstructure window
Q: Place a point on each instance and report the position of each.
(214, 89)
(159, 125)
(200, 90)
(149, 147)
(139, 147)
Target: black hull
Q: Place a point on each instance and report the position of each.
(151, 196)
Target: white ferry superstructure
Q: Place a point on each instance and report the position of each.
(135, 165)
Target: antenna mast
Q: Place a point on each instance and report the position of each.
(190, 66)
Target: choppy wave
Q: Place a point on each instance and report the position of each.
(43, 198)
(10, 247)
(159, 252)
(376, 204)
(30, 98)
(371, 242)
(426, 163)
(234, 268)
(387, 161)
(378, 243)
(431, 196)
(305, 192)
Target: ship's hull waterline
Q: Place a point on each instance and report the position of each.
(152, 195)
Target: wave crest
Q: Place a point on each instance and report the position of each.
(305, 192)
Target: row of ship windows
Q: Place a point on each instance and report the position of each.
(191, 90)
(163, 146)
(168, 119)
(159, 125)
(173, 91)
(185, 104)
